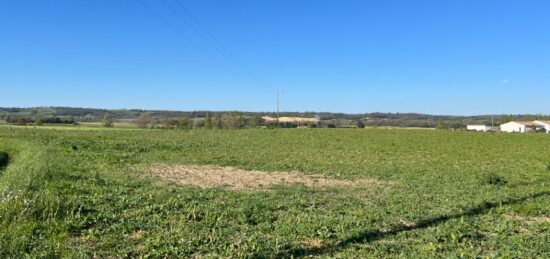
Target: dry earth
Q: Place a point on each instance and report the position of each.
(528, 219)
(205, 176)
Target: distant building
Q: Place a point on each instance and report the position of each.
(518, 126)
(544, 124)
(291, 119)
(483, 128)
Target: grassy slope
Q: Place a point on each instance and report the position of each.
(74, 192)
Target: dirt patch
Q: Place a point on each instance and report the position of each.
(136, 235)
(528, 219)
(205, 176)
(314, 243)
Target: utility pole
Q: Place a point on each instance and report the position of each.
(278, 108)
(492, 120)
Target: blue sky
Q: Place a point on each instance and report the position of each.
(436, 57)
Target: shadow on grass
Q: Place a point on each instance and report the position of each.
(373, 235)
(4, 159)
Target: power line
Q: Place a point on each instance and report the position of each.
(187, 12)
(210, 35)
(210, 38)
(188, 38)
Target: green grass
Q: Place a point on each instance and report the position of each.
(77, 193)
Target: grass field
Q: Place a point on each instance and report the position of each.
(91, 192)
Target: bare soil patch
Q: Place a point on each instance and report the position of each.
(528, 219)
(313, 243)
(205, 176)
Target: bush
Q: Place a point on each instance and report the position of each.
(183, 123)
(548, 166)
(107, 121)
(4, 158)
(494, 179)
(38, 120)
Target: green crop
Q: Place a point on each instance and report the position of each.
(494, 179)
(87, 193)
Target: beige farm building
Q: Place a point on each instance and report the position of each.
(544, 124)
(291, 119)
(483, 128)
(518, 126)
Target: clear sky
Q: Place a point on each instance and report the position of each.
(439, 57)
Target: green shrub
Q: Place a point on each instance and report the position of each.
(494, 179)
(4, 158)
(548, 166)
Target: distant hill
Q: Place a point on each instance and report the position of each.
(338, 119)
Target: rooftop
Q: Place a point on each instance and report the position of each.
(526, 123)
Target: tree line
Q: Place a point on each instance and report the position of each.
(39, 120)
(216, 121)
(237, 119)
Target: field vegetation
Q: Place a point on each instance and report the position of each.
(94, 192)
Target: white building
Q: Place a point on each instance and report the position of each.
(544, 124)
(518, 126)
(483, 128)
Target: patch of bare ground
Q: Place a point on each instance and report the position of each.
(528, 219)
(314, 243)
(205, 176)
(137, 235)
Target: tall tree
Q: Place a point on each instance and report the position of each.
(208, 121)
(241, 121)
(506, 118)
(196, 123)
(143, 120)
(170, 123)
(21, 121)
(441, 125)
(255, 121)
(230, 121)
(38, 120)
(183, 123)
(107, 121)
(217, 122)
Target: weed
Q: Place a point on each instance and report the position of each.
(493, 179)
